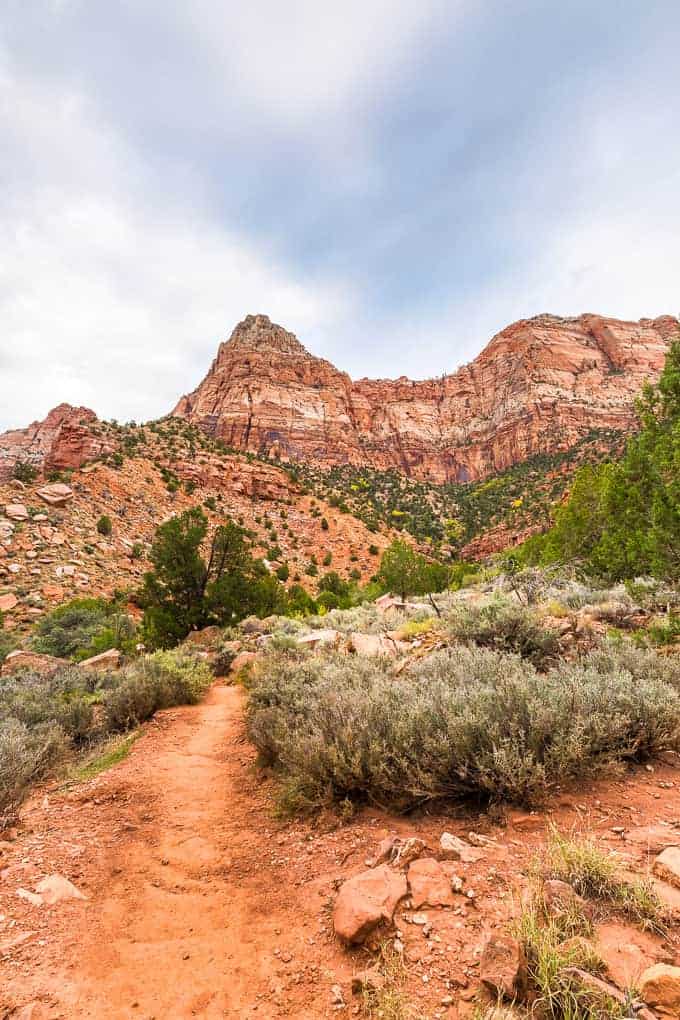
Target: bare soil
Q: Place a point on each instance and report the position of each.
(200, 903)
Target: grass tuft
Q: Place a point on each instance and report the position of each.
(112, 752)
(389, 1003)
(553, 944)
(595, 874)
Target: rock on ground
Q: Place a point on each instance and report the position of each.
(366, 901)
(503, 966)
(660, 989)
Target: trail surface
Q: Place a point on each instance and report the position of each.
(200, 904)
(194, 904)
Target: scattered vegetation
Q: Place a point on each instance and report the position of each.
(43, 721)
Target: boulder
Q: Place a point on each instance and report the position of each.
(320, 638)
(626, 951)
(8, 603)
(56, 494)
(653, 838)
(660, 988)
(46, 665)
(667, 865)
(453, 848)
(429, 884)
(241, 660)
(374, 644)
(209, 637)
(503, 966)
(367, 900)
(111, 659)
(16, 512)
(560, 898)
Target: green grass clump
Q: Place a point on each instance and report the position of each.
(553, 944)
(111, 753)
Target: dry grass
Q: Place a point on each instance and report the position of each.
(595, 874)
(390, 1002)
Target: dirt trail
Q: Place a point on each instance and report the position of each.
(200, 904)
(193, 910)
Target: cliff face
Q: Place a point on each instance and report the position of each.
(538, 386)
(65, 439)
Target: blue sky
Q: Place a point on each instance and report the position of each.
(394, 182)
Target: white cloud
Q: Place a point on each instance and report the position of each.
(108, 297)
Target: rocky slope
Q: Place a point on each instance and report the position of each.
(538, 386)
(52, 553)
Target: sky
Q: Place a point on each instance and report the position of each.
(394, 182)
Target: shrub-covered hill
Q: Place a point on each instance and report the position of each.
(460, 516)
(97, 541)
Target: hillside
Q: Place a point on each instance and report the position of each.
(51, 553)
(538, 387)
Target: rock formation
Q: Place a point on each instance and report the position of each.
(64, 440)
(538, 386)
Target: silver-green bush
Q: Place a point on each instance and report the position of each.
(26, 755)
(505, 627)
(466, 722)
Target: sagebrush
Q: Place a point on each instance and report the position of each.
(464, 722)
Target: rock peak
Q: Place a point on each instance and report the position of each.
(259, 333)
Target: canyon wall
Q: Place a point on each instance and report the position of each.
(538, 386)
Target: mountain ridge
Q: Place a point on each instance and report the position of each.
(544, 380)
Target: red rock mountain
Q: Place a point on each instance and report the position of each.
(538, 386)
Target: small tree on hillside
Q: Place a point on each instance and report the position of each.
(407, 572)
(185, 592)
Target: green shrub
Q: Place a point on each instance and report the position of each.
(464, 722)
(221, 664)
(158, 681)
(82, 628)
(7, 642)
(24, 471)
(104, 525)
(505, 627)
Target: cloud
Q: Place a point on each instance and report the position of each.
(393, 181)
(107, 297)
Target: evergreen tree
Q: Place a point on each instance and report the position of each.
(184, 592)
(623, 520)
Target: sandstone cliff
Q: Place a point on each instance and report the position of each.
(538, 386)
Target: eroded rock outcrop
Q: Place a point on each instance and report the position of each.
(538, 386)
(63, 441)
